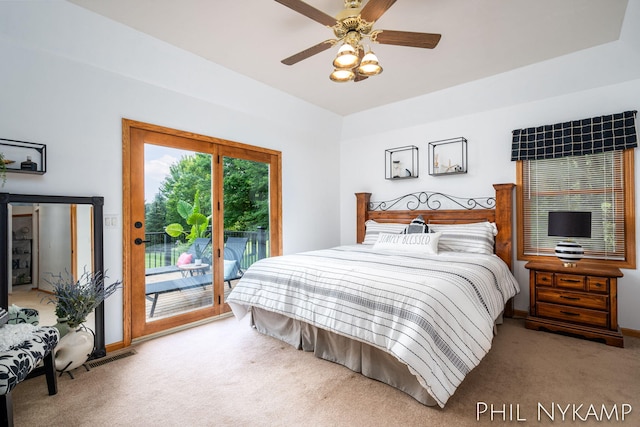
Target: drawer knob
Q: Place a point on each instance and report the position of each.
(570, 298)
(569, 313)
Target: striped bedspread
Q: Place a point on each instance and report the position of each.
(434, 313)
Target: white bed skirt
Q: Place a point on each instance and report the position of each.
(355, 355)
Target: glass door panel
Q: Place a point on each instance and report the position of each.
(246, 216)
(178, 232)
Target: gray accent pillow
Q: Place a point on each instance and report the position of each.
(417, 225)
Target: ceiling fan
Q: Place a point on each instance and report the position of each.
(351, 26)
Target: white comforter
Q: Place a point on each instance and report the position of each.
(435, 313)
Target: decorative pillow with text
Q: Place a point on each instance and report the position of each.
(422, 243)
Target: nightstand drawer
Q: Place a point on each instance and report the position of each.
(597, 284)
(543, 278)
(576, 299)
(570, 281)
(574, 314)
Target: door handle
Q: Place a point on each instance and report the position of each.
(139, 241)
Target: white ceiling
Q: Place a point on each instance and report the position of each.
(480, 38)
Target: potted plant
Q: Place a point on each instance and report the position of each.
(198, 221)
(3, 168)
(76, 299)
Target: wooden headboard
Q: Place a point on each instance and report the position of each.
(496, 209)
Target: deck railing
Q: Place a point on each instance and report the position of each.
(163, 249)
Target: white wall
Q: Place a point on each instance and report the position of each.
(593, 82)
(54, 241)
(70, 76)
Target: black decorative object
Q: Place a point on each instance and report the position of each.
(448, 156)
(28, 165)
(401, 162)
(433, 201)
(24, 157)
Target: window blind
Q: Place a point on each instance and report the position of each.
(593, 183)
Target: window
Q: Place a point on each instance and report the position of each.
(601, 183)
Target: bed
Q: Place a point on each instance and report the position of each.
(415, 311)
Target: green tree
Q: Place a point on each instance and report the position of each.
(189, 175)
(155, 214)
(246, 194)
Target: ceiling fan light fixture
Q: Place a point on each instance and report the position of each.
(341, 75)
(369, 66)
(347, 57)
(351, 26)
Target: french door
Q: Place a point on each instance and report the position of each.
(198, 211)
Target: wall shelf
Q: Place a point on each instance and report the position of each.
(448, 156)
(401, 162)
(24, 157)
(21, 262)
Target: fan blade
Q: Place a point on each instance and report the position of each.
(374, 9)
(408, 38)
(309, 11)
(320, 47)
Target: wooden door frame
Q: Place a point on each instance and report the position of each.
(210, 145)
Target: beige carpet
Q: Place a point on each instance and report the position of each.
(226, 374)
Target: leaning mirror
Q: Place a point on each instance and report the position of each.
(44, 235)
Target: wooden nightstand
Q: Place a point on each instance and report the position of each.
(581, 300)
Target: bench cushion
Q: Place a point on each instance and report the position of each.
(19, 315)
(17, 362)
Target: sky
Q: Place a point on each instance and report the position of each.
(157, 161)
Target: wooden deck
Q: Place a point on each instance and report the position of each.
(173, 303)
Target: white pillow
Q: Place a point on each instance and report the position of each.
(374, 228)
(477, 237)
(423, 243)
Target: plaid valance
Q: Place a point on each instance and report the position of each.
(576, 138)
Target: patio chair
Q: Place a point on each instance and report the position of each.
(200, 242)
(234, 249)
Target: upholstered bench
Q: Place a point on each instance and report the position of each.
(20, 360)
